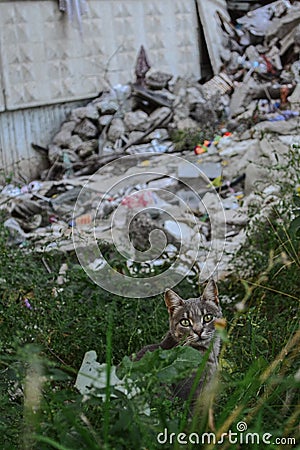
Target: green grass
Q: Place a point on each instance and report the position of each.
(42, 349)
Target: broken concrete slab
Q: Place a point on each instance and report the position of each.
(294, 99)
(116, 129)
(86, 129)
(282, 25)
(157, 80)
(89, 112)
(283, 127)
(87, 148)
(212, 29)
(211, 170)
(181, 231)
(242, 96)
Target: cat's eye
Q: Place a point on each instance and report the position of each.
(185, 323)
(208, 318)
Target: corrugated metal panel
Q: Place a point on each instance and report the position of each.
(18, 129)
(45, 60)
(2, 102)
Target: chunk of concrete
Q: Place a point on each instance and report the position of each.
(86, 129)
(116, 129)
(136, 120)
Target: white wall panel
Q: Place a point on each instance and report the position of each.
(45, 59)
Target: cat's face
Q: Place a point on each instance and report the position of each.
(192, 321)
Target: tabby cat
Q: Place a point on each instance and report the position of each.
(192, 322)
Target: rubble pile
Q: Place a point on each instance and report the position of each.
(250, 112)
(132, 119)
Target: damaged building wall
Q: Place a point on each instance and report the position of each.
(48, 61)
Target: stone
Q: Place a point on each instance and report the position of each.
(116, 129)
(211, 169)
(249, 111)
(104, 120)
(241, 154)
(62, 138)
(68, 126)
(136, 120)
(226, 55)
(242, 96)
(205, 113)
(252, 54)
(190, 198)
(295, 68)
(187, 170)
(68, 156)
(54, 153)
(160, 115)
(234, 217)
(87, 148)
(194, 96)
(89, 112)
(235, 62)
(108, 149)
(286, 77)
(182, 110)
(166, 94)
(186, 124)
(142, 148)
(178, 85)
(256, 177)
(157, 79)
(290, 126)
(160, 134)
(107, 106)
(210, 201)
(294, 99)
(180, 230)
(135, 135)
(86, 129)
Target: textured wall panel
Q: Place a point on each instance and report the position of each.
(45, 59)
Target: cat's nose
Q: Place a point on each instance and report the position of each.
(199, 332)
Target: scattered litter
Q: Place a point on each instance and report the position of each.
(181, 231)
(61, 279)
(17, 235)
(92, 376)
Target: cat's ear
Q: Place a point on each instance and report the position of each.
(211, 292)
(172, 300)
